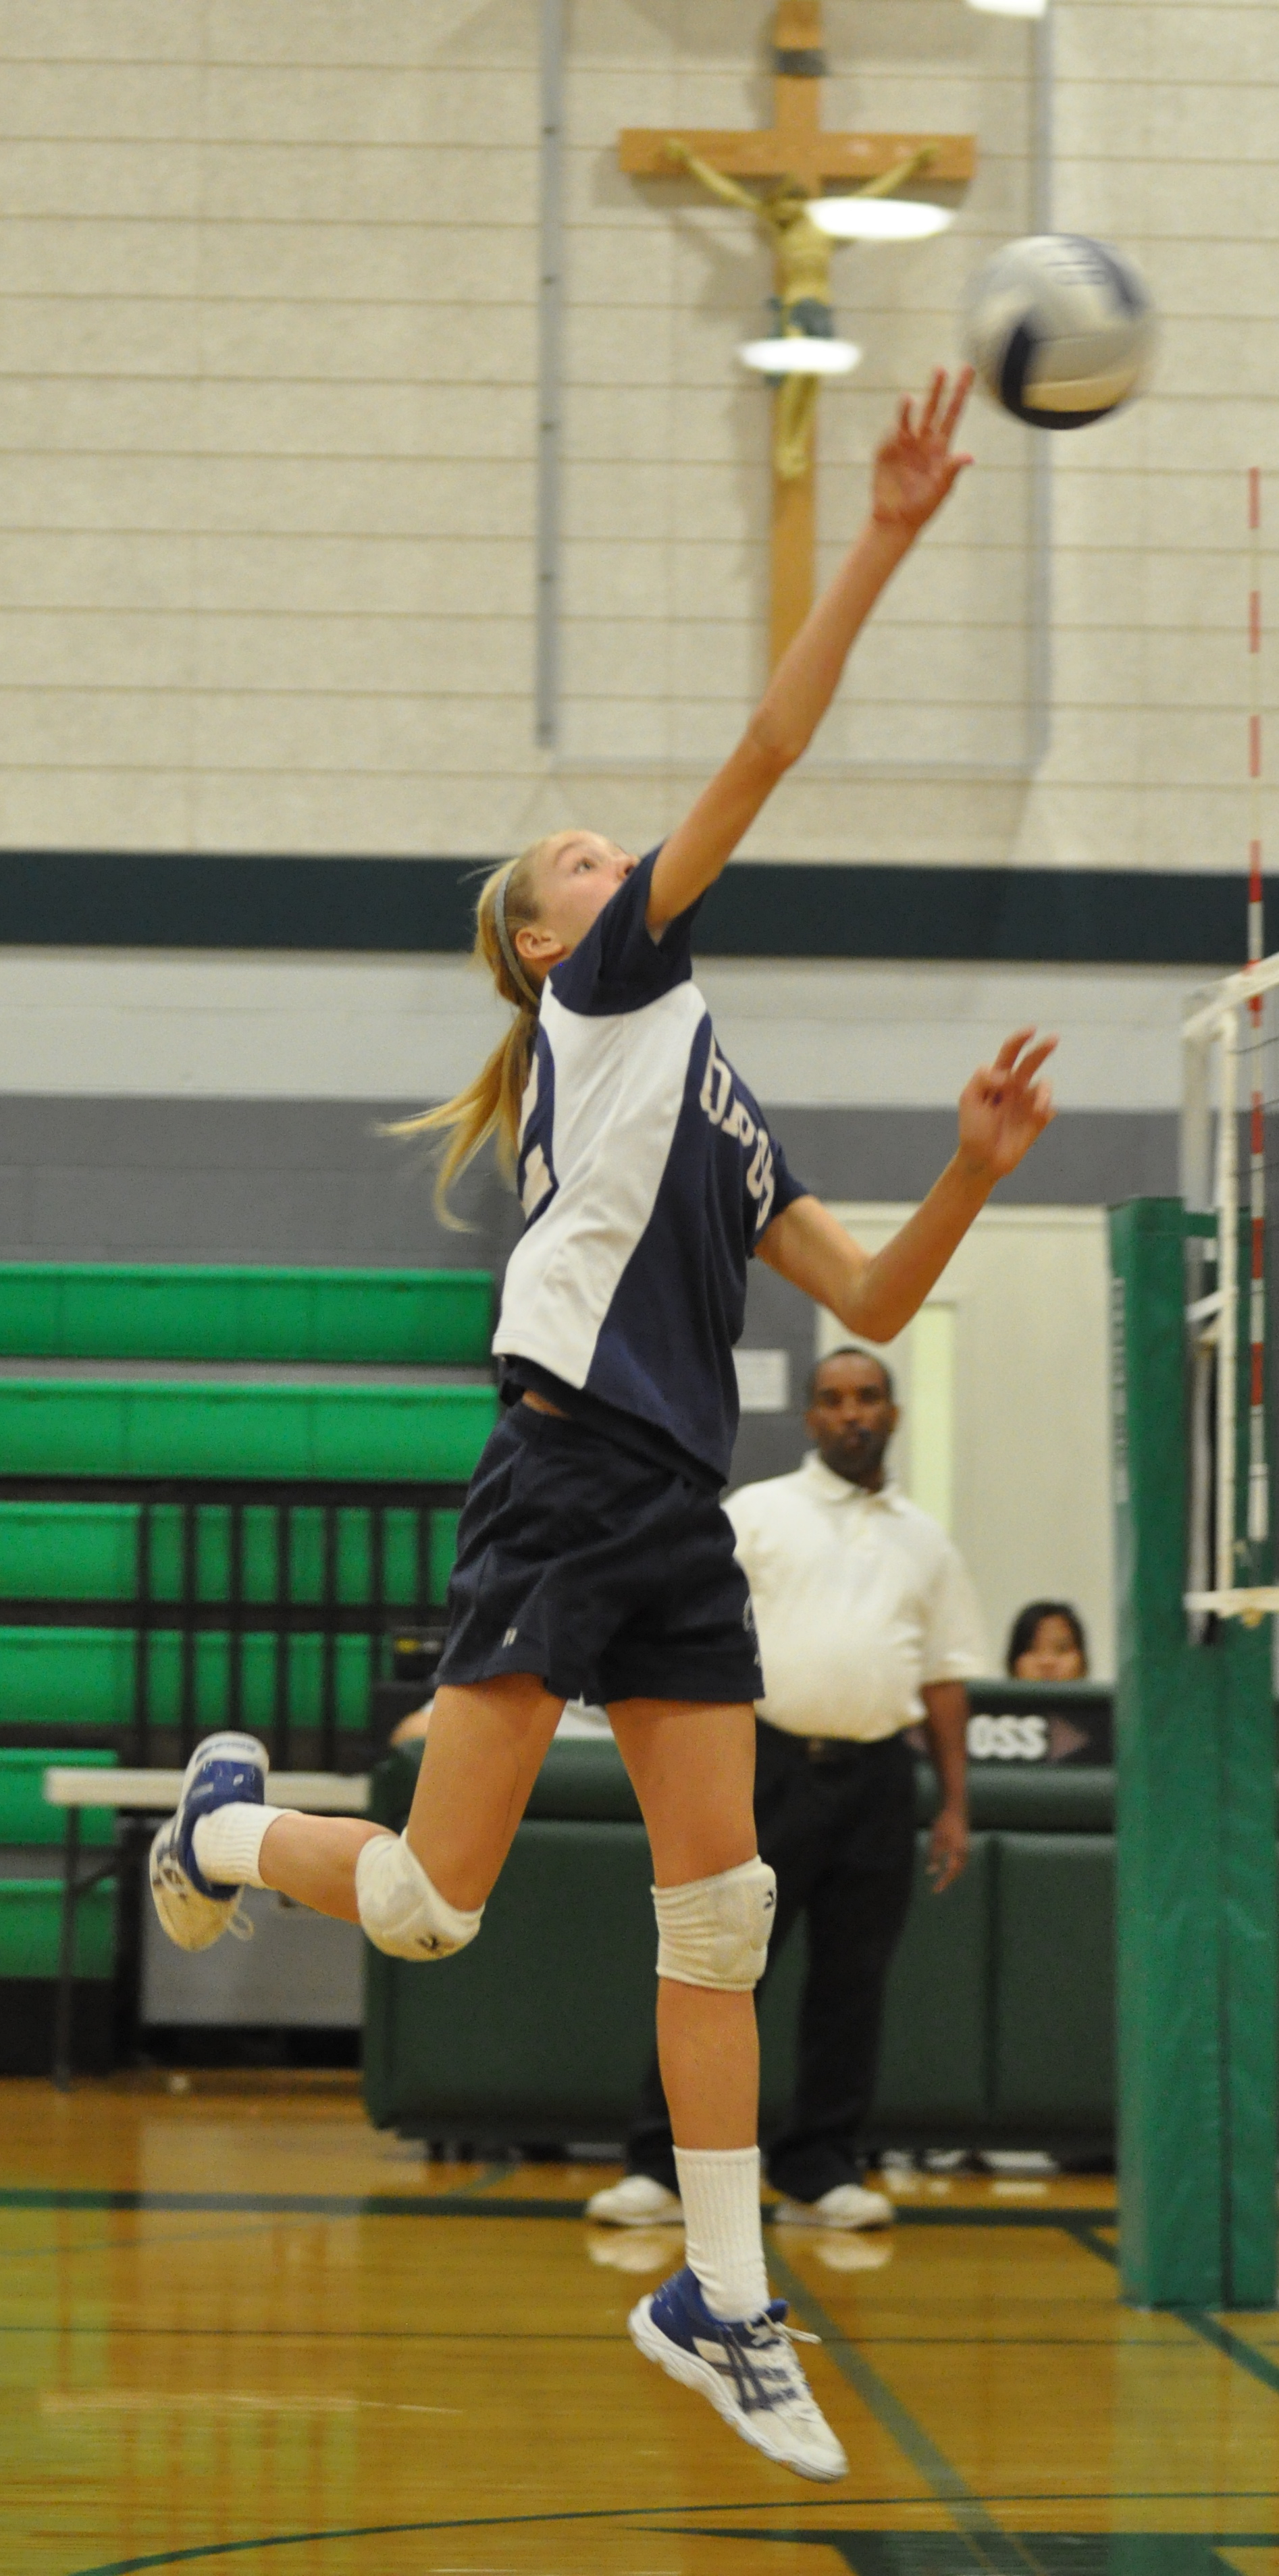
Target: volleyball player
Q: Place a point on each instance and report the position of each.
(593, 1555)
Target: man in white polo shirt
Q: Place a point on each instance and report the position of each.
(867, 1623)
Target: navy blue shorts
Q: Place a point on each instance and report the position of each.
(606, 1575)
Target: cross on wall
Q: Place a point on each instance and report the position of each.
(796, 144)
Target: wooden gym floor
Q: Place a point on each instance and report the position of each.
(241, 2331)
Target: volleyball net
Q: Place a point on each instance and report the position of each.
(1230, 1185)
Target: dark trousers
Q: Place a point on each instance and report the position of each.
(838, 1826)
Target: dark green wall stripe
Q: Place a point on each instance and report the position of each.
(1019, 916)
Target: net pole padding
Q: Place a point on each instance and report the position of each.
(1249, 1886)
(1197, 1916)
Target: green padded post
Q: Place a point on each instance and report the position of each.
(1250, 1945)
(1197, 1882)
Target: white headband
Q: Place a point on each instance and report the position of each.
(505, 942)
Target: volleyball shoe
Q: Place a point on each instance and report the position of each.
(848, 2205)
(636, 2201)
(748, 2369)
(224, 1770)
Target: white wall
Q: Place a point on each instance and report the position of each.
(379, 1028)
(1004, 1383)
(268, 282)
(267, 366)
(668, 489)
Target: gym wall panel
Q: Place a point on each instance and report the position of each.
(268, 278)
(276, 31)
(264, 273)
(1027, 1427)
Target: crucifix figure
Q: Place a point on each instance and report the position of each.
(796, 159)
(803, 253)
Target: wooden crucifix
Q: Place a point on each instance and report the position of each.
(797, 147)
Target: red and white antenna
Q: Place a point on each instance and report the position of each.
(1258, 1474)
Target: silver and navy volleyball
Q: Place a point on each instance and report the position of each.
(1060, 329)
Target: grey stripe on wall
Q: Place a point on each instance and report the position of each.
(106, 1179)
(311, 1181)
(1088, 1158)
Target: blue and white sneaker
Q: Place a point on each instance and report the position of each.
(749, 2371)
(224, 1770)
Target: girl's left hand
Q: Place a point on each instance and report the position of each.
(1004, 1109)
(914, 469)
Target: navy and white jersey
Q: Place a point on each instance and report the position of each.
(647, 1176)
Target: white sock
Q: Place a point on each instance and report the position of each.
(722, 2234)
(227, 1843)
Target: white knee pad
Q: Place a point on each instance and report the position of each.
(714, 1931)
(400, 1910)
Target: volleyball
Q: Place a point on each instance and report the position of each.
(1060, 329)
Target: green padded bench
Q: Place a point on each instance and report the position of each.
(1001, 2004)
(222, 1489)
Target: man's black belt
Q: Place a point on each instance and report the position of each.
(828, 1749)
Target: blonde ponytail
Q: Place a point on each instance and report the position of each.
(490, 1106)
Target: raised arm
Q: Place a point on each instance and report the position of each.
(716, 181)
(1001, 1113)
(914, 471)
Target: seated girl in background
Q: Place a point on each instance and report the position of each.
(1047, 1644)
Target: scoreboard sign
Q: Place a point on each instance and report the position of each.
(1045, 1724)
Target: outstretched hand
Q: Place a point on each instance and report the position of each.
(914, 469)
(1004, 1108)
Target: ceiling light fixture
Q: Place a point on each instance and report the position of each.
(879, 219)
(800, 355)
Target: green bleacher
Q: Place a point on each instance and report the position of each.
(91, 1310)
(94, 1312)
(220, 1489)
(95, 1427)
(89, 1551)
